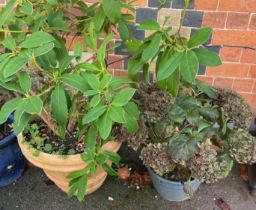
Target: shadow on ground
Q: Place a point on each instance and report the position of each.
(34, 192)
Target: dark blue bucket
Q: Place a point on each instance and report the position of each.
(12, 162)
(171, 190)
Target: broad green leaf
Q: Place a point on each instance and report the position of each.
(177, 114)
(65, 62)
(93, 81)
(59, 105)
(25, 81)
(20, 110)
(168, 65)
(188, 102)
(113, 157)
(107, 78)
(109, 170)
(9, 43)
(105, 126)
(56, 20)
(78, 50)
(37, 39)
(200, 37)
(75, 81)
(34, 105)
(90, 140)
(124, 30)
(94, 114)
(151, 50)
(81, 187)
(132, 110)
(182, 148)
(99, 19)
(208, 90)
(27, 8)
(95, 100)
(14, 65)
(149, 24)
(77, 174)
(112, 9)
(23, 122)
(117, 114)
(123, 97)
(173, 82)
(88, 67)
(131, 123)
(7, 12)
(134, 67)
(8, 108)
(12, 87)
(90, 92)
(118, 82)
(206, 57)
(209, 114)
(133, 45)
(43, 49)
(189, 67)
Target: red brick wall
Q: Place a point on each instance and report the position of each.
(234, 37)
(234, 23)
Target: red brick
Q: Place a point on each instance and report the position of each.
(223, 83)
(228, 70)
(215, 19)
(248, 56)
(252, 72)
(231, 37)
(206, 4)
(252, 25)
(250, 98)
(208, 80)
(238, 20)
(118, 63)
(141, 3)
(231, 54)
(243, 85)
(254, 88)
(120, 73)
(237, 5)
(71, 40)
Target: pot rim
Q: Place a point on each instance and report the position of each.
(170, 181)
(58, 159)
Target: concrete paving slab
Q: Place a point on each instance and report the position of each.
(34, 192)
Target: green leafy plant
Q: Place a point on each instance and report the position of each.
(176, 58)
(197, 137)
(75, 97)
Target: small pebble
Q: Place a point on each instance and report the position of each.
(110, 198)
(137, 187)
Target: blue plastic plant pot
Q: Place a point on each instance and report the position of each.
(171, 190)
(12, 162)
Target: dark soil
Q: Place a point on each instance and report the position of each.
(5, 130)
(178, 175)
(42, 137)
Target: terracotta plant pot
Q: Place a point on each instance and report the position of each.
(57, 168)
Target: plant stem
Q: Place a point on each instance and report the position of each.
(183, 14)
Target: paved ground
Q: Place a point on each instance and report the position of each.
(33, 192)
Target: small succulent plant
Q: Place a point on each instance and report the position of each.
(235, 108)
(242, 147)
(156, 157)
(208, 166)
